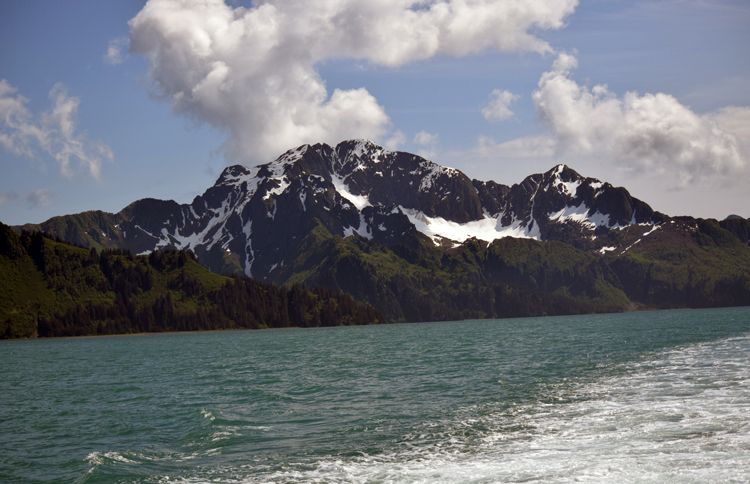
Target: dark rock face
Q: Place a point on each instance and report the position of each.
(256, 220)
(419, 241)
(397, 178)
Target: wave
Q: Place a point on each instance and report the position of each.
(680, 415)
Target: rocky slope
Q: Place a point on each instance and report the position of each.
(390, 228)
(253, 219)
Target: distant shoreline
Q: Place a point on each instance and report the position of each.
(156, 333)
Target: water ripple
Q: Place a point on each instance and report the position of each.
(643, 397)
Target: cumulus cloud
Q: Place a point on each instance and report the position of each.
(114, 53)
(498, 109)
(735, 120)
(53, 133)
(651, 133)
(252, 71)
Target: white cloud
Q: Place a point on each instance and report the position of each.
(53, 133)
(39, 198)
(114, 53)
(18, 132)
(735, 120)
(424, 138)
(427, 144)
(395, 140)
(498, 108)
(251, 71)
(650, 133)
(528, 147)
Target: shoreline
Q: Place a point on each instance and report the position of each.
(156, 333)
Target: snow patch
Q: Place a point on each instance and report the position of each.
(359, 201)
(430, 173)
(249, 253)
(580, 214)
(653, 229)
(363, 230)
(630, 246)
(362, 154)
(283, 185)
(569, 188)
(487, 228)
(232, 179)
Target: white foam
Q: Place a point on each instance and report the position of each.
(681, 416)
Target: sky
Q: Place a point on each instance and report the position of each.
(104, 103)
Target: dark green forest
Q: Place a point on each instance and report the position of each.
(50, 288)
(705, 265)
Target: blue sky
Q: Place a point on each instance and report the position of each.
(692, 52)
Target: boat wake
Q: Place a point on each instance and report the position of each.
(683, 414)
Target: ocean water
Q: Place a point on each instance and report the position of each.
(641, 397)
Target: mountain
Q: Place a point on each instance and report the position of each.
(49, 288)
(253, 219)
(422, 241)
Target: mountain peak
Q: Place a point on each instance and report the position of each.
(563, 172)
(357, 153)
(359, 142)
(232, 174)
(255, 218)
(292, 154)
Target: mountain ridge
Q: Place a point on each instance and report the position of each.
(357, 217)
(443, 203)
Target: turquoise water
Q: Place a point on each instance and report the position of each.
(652, 396)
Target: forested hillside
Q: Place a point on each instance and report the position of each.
(50, 288)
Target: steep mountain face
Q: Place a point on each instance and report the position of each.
(253, 219)
(396, 229)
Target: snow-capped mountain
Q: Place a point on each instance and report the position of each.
(420, 241)
(253, 219)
